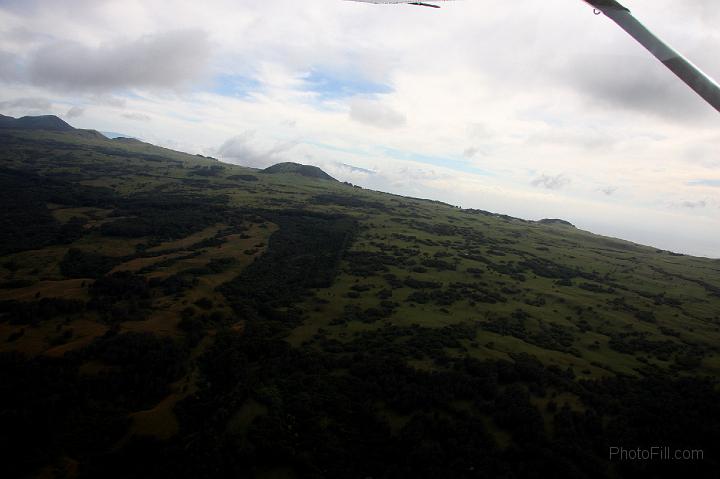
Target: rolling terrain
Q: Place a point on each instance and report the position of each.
(169, 315)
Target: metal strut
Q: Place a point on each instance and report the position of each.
(695, 78)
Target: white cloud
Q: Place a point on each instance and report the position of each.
(556, 182)
(75, 112)
(609, 190)
(163, 60)
(246, 150)
(694, 204)
(135, 116)
(375, 113)
(27, 104)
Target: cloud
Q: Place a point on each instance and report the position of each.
(471, 152)
(135, 116)
(109, 100)
(246, 150)
(551, 182)
(75, 112)
(694, 204)
(377, 114)
(356, 169)
(8, 66)
(163, 60)
(27, 104)
(609, 190)
(345, 172)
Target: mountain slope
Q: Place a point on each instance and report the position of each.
(164, 314)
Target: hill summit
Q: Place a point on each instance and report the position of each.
(46, 122)
(298, 169)
(555, 221)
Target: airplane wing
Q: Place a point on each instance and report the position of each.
(409, 2)
(695, 78)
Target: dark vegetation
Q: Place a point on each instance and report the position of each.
(85, 264)
(383, 337)
(35, 312)
(243, 178)
(305, 253)
(25, 220)
(348, 201)
(49, 409)
(321, 424)
(166, 217)
(120, 297)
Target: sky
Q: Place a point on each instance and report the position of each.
(535, 109)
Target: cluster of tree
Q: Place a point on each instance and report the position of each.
(353, 312)
(141, 367)
(168, 217)
(126, 154)
(304, 253)
(78, 263)
(509, 268)
(547, 336)
(438, 229)
(367, 263)
(164, 263)
(634, 342)
(550, 269)
(413, 239)
(555, 338)
(34, 312)
(15, 283)
(196, 323)
(26, 222)
(207, 171)
(349, 202)
(214, 266)
(438, 264)
(398, 250)
(122, 296)
(318, 422)
(250, 178)
(596, 288)
(51, 410)
(415, 283)
(457, 291)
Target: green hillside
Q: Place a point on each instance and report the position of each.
(168, 315)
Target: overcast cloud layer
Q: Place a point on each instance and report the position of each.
(533, 109)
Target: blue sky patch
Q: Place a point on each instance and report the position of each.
(326, 146)
(236, 86)
(331, 86)
(445, 162)
(715, 183)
